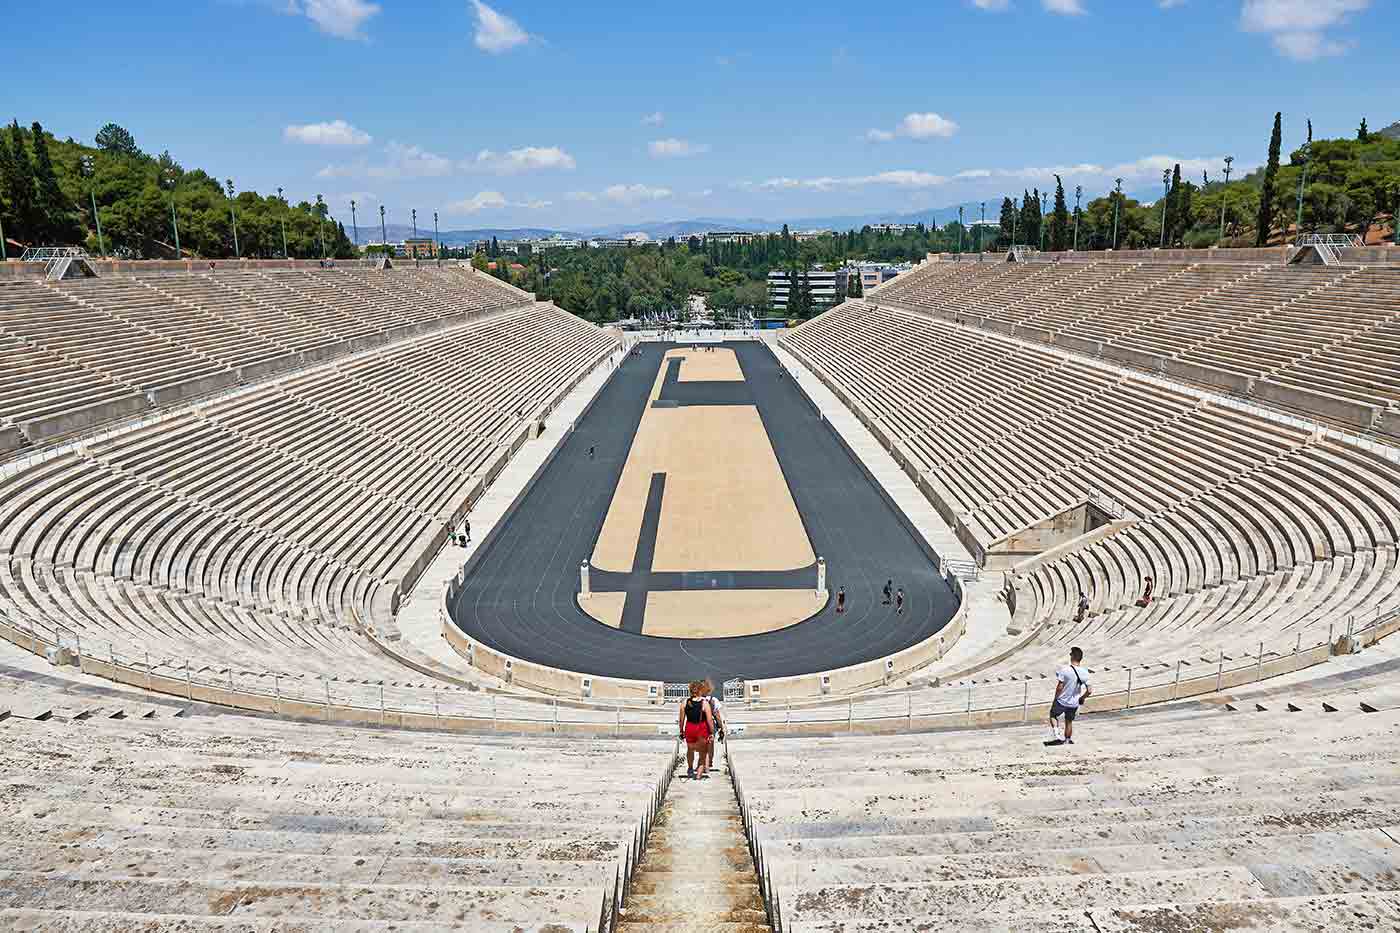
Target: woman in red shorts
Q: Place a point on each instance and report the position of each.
(697, 725)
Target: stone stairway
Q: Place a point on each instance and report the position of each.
(696, 874)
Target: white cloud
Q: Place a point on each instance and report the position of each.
(903, 178)
(621, 194)
(1170, 4)
(654, 119)
(496, 32)
(481, 201)
(1138, 172)
(343, 19)
(1064, 7)
(635, 194)
(1297, 27)
(675, 148)
(526, 159)
(992, 6)
(492, 201)
(332, 133)
(401, 161)
(916, 126)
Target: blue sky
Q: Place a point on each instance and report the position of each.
(582, 114)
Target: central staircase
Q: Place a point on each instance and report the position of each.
(697, 875)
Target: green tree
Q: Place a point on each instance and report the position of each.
(20, 189)
(1265, 223)
(1059, 219)
(1008, 223)
(52, 208)
(116, 139)
(1363, 135)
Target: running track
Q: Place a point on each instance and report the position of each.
(520, 597)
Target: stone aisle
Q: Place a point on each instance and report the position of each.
(696, 875)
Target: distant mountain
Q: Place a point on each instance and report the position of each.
(371, 234)
(660, 230)
(1390, 132)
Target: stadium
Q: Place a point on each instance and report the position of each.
(350, 584)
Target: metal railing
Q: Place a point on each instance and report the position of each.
(772, 903)
(627, 872)
(1335, 240)
(436, 704)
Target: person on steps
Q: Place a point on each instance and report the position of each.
(1071, 689)
(1146, 600)
(1083, 608)
(717, 717)
(696, 725)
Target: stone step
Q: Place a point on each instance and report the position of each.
(963, 903)
(1329, 862)
(1164, 831)
(27, 920)
(661, 909)
(93, 860)
(701, 926)
(1049, 817)
(133, 894)
(1371, 911)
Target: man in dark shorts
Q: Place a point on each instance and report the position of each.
(888, 591)
(840, 600)
(1071, 689)
(899, 601)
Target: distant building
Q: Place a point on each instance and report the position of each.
(803, 236)
(893, 228)
(618, 242)
(556, 242)
(827, 288)
(874, 274)
(420, 248)
(729, 236)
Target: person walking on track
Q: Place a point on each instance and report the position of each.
(899, 601)
(840, 600)
(696, 725)
(889, 591)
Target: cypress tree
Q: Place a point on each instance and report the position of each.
(1265, 221)
(1363, 135)
(1059, 219)
(1174, 206)
(1008, 223)
(52, 208)
(20, 187)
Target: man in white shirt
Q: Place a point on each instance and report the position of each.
(1071, 689)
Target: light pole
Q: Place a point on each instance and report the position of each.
(980, 227)
(437, 240)
(383, 235)
(1224, 193)
(1166, 193)
(1303, 183)
(1117, 202)
(4, 251)
(168, 178)
(414, 214)
(960, 230)
(321, 224)
(355, 226)
(1044, 199)
(89, 172)
(233, 215)
(1078, 193)
(282, 219)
